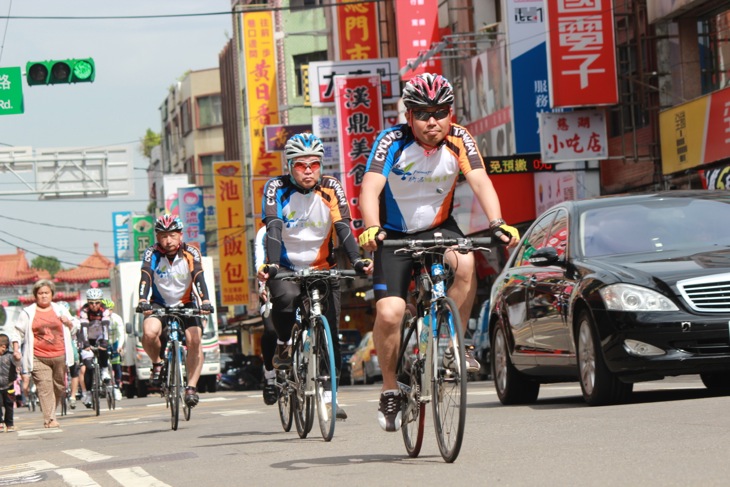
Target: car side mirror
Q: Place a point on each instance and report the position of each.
(544, 257)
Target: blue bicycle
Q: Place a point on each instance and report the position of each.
(173, 386)
(431, 360)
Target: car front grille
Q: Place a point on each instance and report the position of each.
(703, 347)
(710, 294)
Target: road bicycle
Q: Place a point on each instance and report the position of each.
(311, 382)
(431, 364)
(173, 386)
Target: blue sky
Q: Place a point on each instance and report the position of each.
(137, 60)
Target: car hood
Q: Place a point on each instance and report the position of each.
(668, 266)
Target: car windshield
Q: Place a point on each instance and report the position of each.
(654, 226)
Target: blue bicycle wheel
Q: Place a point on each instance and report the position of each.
(326, 381)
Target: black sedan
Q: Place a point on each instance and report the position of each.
(612, 291)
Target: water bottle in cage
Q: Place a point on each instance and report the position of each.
(439, 288)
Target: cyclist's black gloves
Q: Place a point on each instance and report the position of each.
(271, 270)
(499, 228)
(360, 264)
(143, 306)
(207, 307)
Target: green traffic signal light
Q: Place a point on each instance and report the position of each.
(60, 72)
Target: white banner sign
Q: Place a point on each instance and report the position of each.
(324, 126)
(322, 75)
(573, 136)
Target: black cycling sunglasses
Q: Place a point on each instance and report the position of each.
(424, 116)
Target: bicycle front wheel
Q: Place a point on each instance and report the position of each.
(449, 380)
(303, 404)
(175, 387)
(326, 381)
(284, 401)
(96, 390)
(413, 414)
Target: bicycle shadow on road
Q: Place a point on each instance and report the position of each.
(307, 463)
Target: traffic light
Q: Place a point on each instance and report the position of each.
(63, 71)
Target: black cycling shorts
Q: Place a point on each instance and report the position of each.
(185, 321)
(393, 272)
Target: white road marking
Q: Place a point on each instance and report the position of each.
(86, 455)
(73, 477)
(135, 477)
(118, 421)
(237, 412)
(35, 432)
(25, 472)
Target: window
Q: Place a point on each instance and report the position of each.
(300, 4)
(206, 163)
(209, 111)
(302, 60)
(714, 35)
(187, 118)
(535, 240)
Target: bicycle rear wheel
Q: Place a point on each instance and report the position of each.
(413, 415)
(326, 381)
(96, 390)
(285, 401)
(187, 410)
(449, 380)
(303, 404)
(175, 375)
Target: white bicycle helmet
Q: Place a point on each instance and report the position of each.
(94, 294)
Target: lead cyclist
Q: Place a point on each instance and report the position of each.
(408, 192)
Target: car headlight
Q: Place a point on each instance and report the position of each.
(213, 356)
(627, 297)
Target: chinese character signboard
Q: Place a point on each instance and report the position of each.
(261, 96)
(357, 30)
(143, 234)
(582, 53)
(322, 78)
(11, 91)
(696, 132)
(417, 23)
(528, 70)
(573, 136)
(515, 164)
(232, 242)
(324, 126)
(360, 115)
(277, 135)
(192, 213)
(120, 225)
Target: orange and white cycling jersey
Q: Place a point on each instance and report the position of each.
(309, 218)
(419, 193)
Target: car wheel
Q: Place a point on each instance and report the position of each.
(718, 382)
(368, 379)
(512, 386)
(599, 385)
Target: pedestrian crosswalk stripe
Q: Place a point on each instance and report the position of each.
(135, 477)
(236, 412)
(73, 477)
(87, 455)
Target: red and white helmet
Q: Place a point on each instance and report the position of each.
(168, 223)
(427, 90)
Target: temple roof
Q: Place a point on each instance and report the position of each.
(96, 266)
(14, 270)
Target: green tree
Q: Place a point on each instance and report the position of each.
(51, 264)
(148, 142)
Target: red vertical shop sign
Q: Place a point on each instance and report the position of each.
(359, 121)
(582, 54)
(357, 30)
(417, 22)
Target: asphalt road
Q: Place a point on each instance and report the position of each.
(672, 433)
